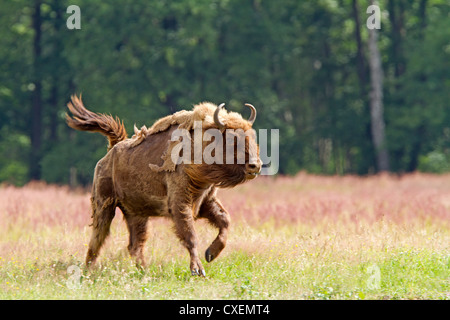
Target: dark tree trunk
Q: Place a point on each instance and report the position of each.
(423, 15)
(419, 132)
(56, 71)
(36, 104)
(396, 18)
(360, 63)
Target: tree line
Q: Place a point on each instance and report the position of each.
(307, 66)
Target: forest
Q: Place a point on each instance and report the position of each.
(307, 66)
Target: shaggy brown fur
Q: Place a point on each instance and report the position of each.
(86, 120)
(137, 176)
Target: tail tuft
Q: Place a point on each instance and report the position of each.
(85, 120)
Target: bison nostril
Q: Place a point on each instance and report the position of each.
(252, 168)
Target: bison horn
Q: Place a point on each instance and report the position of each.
(216, 117)
(253, 115)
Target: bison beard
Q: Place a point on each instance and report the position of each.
(223, 175)
(124, 178)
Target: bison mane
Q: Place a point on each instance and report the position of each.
(203, 112)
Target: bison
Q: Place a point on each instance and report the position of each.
(139, 176)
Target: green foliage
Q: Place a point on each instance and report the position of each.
(13, 166)
(434, 162)
(62, 158)
(296, 61)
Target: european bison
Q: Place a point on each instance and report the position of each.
(139, 175)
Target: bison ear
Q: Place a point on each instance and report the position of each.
(217, 121)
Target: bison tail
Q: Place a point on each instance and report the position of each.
(85, 120)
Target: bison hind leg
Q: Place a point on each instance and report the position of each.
(103, 212)
(137, 227)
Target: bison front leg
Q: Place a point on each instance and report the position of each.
(184, 228)
(216, 214)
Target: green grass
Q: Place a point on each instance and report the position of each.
(306, 266)
(306, 237)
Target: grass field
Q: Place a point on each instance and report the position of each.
(307, 237)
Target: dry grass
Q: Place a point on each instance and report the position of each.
(307, 237)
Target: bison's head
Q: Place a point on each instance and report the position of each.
(230, 152)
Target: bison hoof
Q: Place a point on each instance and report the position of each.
(208, 256)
